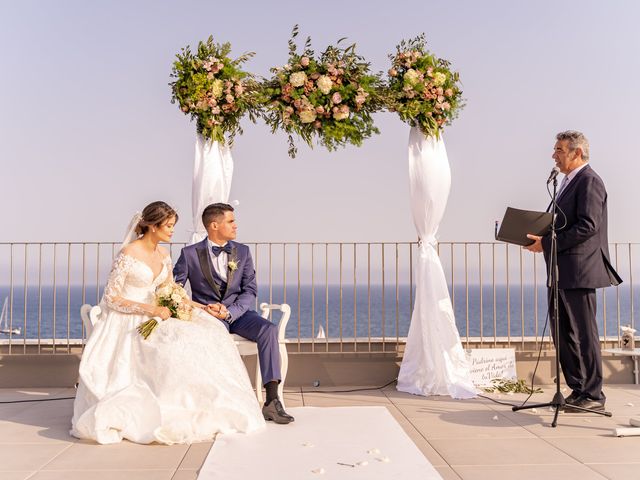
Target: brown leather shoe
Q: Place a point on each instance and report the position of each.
(275, 412)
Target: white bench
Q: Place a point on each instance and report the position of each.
(247, 347)
(90, 315)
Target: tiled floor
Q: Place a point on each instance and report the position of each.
(473, 439)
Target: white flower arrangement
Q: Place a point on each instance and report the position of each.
(176, 299)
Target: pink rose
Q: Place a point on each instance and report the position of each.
(336, 98)
(229, 98)
(304, 61)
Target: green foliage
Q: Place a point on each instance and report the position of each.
(213, 89)
(422, 88)
(510, 386)
(330, 97)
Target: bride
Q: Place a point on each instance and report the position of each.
(184, 383)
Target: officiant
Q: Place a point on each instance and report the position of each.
(583, 266)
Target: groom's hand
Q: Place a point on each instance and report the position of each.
(218, 310)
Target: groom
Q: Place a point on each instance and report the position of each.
(222, 277)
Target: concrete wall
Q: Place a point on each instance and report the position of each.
(330, 369)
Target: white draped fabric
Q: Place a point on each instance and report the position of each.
(212, 173)
(434, 361)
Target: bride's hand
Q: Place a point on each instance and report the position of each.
(162, 312)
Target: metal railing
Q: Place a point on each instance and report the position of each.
(344, 297)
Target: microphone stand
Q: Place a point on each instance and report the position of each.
(558, 401)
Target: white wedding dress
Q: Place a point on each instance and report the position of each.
(183, 384)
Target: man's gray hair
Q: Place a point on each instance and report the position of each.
(576, 140)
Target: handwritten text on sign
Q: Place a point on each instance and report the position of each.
(489, 363)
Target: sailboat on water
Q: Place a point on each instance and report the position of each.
(4, 326)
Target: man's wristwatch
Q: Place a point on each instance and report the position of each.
(228, 317)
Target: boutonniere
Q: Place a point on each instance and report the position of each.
(233, 265)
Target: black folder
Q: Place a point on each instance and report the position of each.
(517, 223)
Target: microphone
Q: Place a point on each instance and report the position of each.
(552, 176)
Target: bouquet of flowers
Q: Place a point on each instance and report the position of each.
(176, 299)
(422, 88)
(331, 97)
(213, 89)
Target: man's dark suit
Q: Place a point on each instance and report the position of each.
(583, 266)
(238, 294)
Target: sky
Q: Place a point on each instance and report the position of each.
(88, 134)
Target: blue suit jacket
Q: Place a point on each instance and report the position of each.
(194, 266)
(583, 245)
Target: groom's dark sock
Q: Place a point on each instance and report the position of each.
(272, 391)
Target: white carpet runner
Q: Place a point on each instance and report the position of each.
(323, 443)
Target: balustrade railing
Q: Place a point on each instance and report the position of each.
(344, 296)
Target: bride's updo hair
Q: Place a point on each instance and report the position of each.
(154, 215)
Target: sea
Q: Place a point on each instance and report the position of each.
(340, 312)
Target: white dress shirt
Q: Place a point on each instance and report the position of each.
(567, 179)
(220, 262)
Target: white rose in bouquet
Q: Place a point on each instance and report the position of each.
(164, 291)
(439, 78)
(324, 84)
(297, 79)
(217, 88)
(183, 314)
(173, 297)
(307, 116)
(411, 77)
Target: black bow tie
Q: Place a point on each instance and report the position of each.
(217, 250)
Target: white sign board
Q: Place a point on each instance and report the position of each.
(489, 363)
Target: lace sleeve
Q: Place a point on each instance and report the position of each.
(112, 298)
